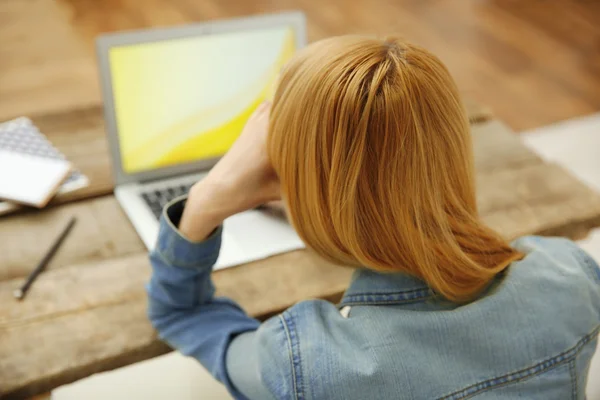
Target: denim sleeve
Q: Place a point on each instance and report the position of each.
(589, 263)
(244, 366)
(182, 306)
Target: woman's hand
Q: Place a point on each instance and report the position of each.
(241, 180)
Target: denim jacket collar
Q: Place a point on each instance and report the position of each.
(369, 287)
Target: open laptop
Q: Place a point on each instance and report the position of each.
(175, 100)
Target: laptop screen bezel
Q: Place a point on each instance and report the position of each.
(105, 42)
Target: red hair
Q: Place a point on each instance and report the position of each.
(373, 150)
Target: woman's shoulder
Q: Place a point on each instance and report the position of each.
(557, 252)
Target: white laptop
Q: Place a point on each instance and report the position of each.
(175, 100)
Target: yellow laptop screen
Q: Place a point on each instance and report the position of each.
(183, 100)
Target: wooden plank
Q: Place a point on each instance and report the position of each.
(119, 280)
(498, 51)
(89, 306)
(83, 331)
(45, 65)
(102, 231)
(512, 182)
(80, 135)
(541, 199)
(495, 147)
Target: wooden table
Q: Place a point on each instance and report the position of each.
(87, 312)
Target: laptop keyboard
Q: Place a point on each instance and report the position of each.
(158, 198)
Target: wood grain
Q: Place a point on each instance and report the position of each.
(87, 312)
(517, 194)
(80, 135)
(88, 318)
(89, 152)
(45, 66)
(529, 65)
(102, 231)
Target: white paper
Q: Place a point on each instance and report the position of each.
(172, 376)
(254, 235)
(30, 179)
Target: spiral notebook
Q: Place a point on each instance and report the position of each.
(29, 148)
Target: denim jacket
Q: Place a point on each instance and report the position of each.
(530, 335)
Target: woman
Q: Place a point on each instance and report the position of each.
(368, 145)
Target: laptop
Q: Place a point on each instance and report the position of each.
(175, 100)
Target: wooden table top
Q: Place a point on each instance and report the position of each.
(86, 313)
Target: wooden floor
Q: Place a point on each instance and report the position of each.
(533, 62)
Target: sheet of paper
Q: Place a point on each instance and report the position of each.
(30, 180)
(254, 235)
(172, 376)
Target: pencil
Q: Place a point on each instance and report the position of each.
(20, 293)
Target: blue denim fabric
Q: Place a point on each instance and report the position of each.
(182, 306)
(530, 335)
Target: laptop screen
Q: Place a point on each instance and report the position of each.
(183, 100)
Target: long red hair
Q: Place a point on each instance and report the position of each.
(373, 150)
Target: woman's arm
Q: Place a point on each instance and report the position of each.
(182, 306)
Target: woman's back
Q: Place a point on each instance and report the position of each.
(531, 335)
(369, 147)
